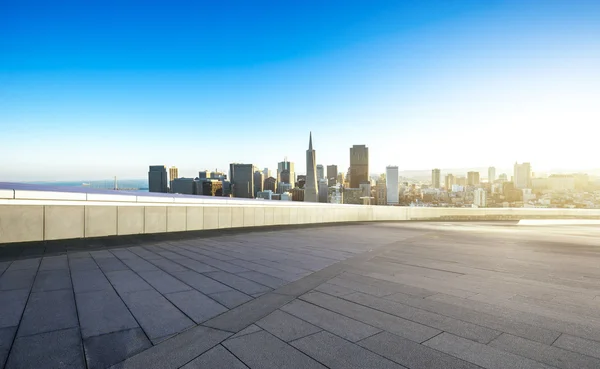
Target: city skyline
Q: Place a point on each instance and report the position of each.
(507, 81)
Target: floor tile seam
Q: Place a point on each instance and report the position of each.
(8, 266)
(157, 291)
(421, 344)
(81, 347)
(595, 358)
(199, 253)
(184, 282)
(23, 312)
(417, 322)
(123, 302)
(234, 355)
(288, 344)
(221, 270)
(490, 347)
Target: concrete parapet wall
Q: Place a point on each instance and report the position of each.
(34, 216)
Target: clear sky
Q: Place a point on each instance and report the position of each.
(92, 89)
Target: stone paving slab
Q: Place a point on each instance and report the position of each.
(415, 295)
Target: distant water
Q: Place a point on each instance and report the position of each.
(138, 184)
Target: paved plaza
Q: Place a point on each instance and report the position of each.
(373, 295)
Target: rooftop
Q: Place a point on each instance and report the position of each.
(376, 295)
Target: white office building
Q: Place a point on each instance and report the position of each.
(479, 198)
(391, 183)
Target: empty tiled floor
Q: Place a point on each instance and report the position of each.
(411, 295)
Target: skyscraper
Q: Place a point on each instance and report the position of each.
(450, 180)
(270, 184)
(391, 183)
(266, 173)
(331, 175)
(320, 172)
(522, 175)
(435, 178)
(157, 179)
(310, 187)
(472, 178)
(286, 165)
(242, 180)
(173, 173)
(258, 182)
(359, 165)
(491, 174)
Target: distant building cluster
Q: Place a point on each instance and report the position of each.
(327, 184)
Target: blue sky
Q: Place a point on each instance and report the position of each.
(93, 89)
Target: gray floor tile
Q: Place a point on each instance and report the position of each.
(196, 266)
(17, 279)
(168, 265)
(241, 284)
(196, 305)
(334, 290)
(231, 298)
(285, 326)
(217, 357)
(58, 349)
(157, 316)
(6, 340)
(111, 264)
(24, 264)
(222, 265)
(263, 279)
(48, 311)
(109, 349)
(138, 264)
(262, 350)
(145, 254)
(164, 282)
(345, 327)
(83, 263)
(124, 254)
(200, 282)
(177, 351)
(126, 281)
(550, 355)
(51, 280)
(102, 312)
(337, 353)
(251, 329)
(54, 263)
(439, 322)
(581, 345)
(3, 266)
(248, 313)
(12, 304)
(89, 280)
(479, 354)
(411, 354)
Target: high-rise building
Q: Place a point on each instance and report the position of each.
(301, 180)
(503, 178)
(320, 172)
(270, 184)
(258, 182)
(450, 180)
(435, 178)
(266, 173)
(289, 166)
(173, 173)
(522, 175)
(203, 174)
(391, 184)
(491, 174)
(381, 191)
(185, 186)
(359, 165)
(157, 179)
(323, 190)
(242, 180)
(461, 181)
(340, 178)
(479, 198)
(311, 192)
(331, 175)
(472, 178)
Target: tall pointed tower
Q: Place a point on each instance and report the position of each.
(310, 187)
